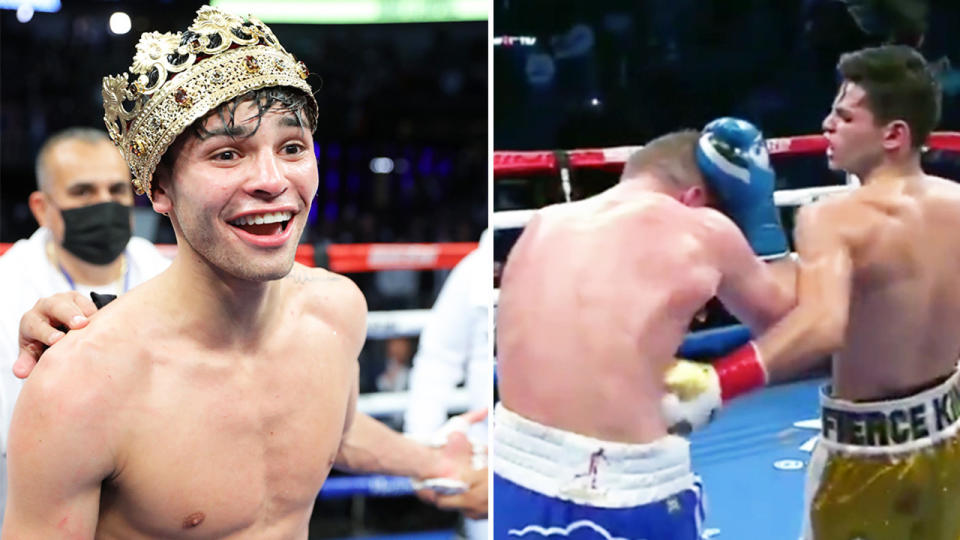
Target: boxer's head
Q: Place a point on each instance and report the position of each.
(670, 161)
(239, 182)
(223, 115)
(177, 78)
(887, 105)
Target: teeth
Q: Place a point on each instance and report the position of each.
(260, 219)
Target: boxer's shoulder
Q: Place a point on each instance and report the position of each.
(645, 208)
(837, 211)
(86, 375)
(848, 220)
(712, 226)
(320, 284)
(331, 297)
(943, 189)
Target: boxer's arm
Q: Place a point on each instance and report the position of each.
(816, 326)
(747, 288)
(751, 293)
(369, 446)
(57, 458)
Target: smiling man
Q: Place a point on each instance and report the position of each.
(212, 401)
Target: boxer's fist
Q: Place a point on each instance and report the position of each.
(732, 155)
(693, 396)
(696, 391)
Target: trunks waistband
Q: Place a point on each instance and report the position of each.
(892, 426)
(584, 470)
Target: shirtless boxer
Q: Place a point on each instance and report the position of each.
(877, 286)
(596, 296)
(169, 415)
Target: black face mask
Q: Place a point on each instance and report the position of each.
(98, 233)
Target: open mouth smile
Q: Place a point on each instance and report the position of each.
(267, 229)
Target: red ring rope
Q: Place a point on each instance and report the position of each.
(511, 162)
(369, 257)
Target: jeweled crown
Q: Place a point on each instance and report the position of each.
(177, 78)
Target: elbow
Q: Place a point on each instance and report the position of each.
(786, 300)
(780, 307)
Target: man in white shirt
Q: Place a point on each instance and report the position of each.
(454, 347)
(84, 244)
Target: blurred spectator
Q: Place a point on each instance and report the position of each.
(396, 371)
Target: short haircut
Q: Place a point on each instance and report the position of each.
(670, 157)
(83, 134)
(899, 85)
(289, 99)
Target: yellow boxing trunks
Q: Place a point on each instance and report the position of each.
(887, 470)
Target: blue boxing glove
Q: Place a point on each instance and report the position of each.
(733, 157)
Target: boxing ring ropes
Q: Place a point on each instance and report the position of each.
(347, 258)
(703, 343)
(752, 457)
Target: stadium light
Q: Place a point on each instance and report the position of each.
(119, 23)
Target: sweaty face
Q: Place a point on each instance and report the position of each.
(240, 203)
(855, 142)
(81, 173)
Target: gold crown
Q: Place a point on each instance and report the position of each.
(177, 78)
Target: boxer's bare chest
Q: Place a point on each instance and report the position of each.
(230, 444)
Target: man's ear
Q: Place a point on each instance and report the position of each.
(896, 135)
(162, 203)
(693, 197)
(38, 207)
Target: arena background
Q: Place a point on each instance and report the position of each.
(573, 75)
(401, 143)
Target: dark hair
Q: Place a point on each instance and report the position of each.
(671, 156)
(899, 85)
(290, 99)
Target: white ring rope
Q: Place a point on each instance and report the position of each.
(401, 323)
(515, 219)
(379, 404)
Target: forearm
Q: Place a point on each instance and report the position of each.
(369, 446)
(782, 296)
(784, 272)
(796, 345)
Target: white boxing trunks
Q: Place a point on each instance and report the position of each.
(549, 482)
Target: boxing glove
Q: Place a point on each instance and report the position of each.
(696, 391)
(732, 155)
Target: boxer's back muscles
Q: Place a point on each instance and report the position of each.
(597, 295)
(904, 310)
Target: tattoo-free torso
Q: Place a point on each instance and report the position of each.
(905, 303)
(596, 296)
